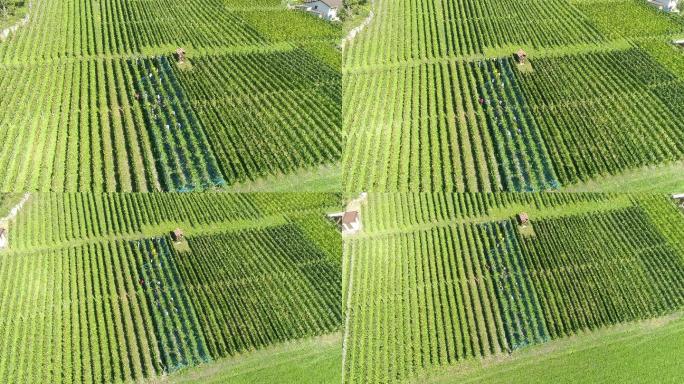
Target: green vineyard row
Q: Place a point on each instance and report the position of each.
(93, 289)
(445, 278)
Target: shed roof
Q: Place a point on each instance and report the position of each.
(329, 3)
(350, 217)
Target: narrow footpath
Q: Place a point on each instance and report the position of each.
(354, 32)
(16, 209)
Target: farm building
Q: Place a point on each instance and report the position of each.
(679, 198)
(522, 56)
(180, 55)
(351, 222)
(666, 5)
(3, 238)
(523, 218)
(325, 9)
(177, 235)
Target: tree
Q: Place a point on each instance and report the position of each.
(6, 8)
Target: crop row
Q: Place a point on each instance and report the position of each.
(599, 269)
(417, 302)
(430, 296)
(411, 30)
(86, 28)
(94, 101)
(392, 211)
(585, 108)
(256, 288)
(126, 310)
(91, 127)
(76, 315)
(50, 219)
(570, 119)
(647, 20)
(267, 113)
(129, 126)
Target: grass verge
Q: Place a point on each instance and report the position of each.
(664, 178)
(316, 360)
(640, 352)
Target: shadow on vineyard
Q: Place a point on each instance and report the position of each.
(92, 100)
(438, 103)
(94, 288)
(518, 302)
(179, 337)
(183, 156)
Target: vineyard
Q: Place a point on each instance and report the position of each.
(452, 277)
(98, 292)
(436, 101)
(94, 100)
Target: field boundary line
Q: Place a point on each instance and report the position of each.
(566, 210)
(345, 338)
(359, 28)
(497, 53)
(14, 211)
(160, 230)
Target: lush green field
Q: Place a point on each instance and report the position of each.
(644, 352)
(93, 99)
(435, 101)
(439, 279)
(312, 361)
(94, 290)
(323, 179)
(663, 178)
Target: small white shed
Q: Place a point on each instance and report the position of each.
(325, 9)
(351, 222)
(4, 242)
(666, 5)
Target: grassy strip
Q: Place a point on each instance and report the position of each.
(644, 352)
(164, 229)
(663, 178)
(315, 360)
(499, 52)
(326, 178)
(505, 213)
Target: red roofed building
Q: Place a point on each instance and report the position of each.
(177, 235)
(351, 222)
(522, 56)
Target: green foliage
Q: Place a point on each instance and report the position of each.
(628, 18)
(259, 287)
(434, 100)
(94, 291)
(260, 124)
(439, 279)
(94, 100)
(404, 31)
(644, 351)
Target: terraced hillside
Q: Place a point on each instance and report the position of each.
(94, 289)
(435, 99)
(94, 97)
(435, 279)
